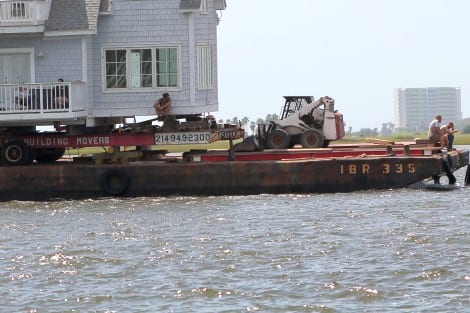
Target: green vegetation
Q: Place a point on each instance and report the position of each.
(460, 139)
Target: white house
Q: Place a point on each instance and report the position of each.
(116, 58)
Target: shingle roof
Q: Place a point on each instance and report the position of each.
(73, 15)
(186, 5)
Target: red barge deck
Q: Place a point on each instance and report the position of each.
(341, 168)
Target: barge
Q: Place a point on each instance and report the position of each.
(97, 106)
(199, 172)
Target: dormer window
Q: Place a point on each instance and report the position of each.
(106, 6)
(189, 6)
(220, 4)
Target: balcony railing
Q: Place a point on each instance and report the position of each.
(23, 12)
(41, 99)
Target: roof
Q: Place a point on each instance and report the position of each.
(75, 16)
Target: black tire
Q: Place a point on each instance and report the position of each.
(467, 176)
(49, 155)
(114, 182)
(278, 139)
(17, 153)
(446, 164)
(311, 138)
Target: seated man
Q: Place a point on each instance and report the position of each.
(21, 98)
(448, 131)
(435, 134)
(163, 105)
(60, 92)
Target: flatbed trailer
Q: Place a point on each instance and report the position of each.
(22, 148)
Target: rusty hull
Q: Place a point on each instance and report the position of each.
(68, 180)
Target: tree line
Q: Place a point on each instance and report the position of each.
(387, 129)
(245, 122)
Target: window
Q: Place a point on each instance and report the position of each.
(106, 6)
(139, 68)
(167, 67)
(116, 69)
(204, 66)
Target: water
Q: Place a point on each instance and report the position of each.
(377, 251)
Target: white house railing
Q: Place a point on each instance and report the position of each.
(23, 12)
(36, 98)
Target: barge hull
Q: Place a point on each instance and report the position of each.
(68, 180)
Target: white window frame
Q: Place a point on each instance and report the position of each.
(154, 86)
(205, 66)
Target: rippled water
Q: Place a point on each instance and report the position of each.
(379, 251)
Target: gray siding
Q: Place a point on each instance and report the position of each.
(61, 58)
(128, 24)
(145, 23)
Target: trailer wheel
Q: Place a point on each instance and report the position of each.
(311, 138)
(49, 155)
(114, 182)
(17, 153)
(278, 139)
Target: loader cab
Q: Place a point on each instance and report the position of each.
(293, 104)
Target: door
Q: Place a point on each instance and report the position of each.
(14, 69)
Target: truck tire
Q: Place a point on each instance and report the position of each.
(16, 152)
(311, 138)
(277, 139)
(49, 155)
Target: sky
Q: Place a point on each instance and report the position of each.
(355, 51)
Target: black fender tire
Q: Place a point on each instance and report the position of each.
(446, 165)
(467, 176)
(114, 182)
(278, 139)
(49, 155)
(16, 152)
(311, 138)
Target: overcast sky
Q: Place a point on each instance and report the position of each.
(356, 51)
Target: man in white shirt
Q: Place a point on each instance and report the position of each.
(435, 134)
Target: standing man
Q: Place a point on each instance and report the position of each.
(163, 105)
(434, 132)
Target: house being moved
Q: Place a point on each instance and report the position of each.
(116, 58)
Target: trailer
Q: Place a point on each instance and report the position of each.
(25, 145)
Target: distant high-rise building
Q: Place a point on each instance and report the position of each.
(415, 108)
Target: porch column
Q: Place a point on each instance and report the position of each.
(192, 66)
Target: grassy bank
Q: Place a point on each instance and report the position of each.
(460, 139)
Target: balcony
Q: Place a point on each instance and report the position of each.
(23, 16)
(39, 104)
